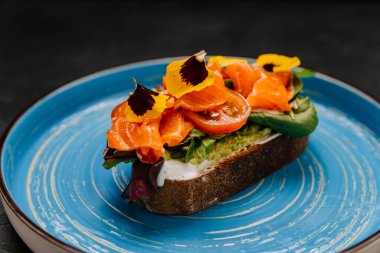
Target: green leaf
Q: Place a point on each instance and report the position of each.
(177, 154)
(198, 149)
(297, 84)
(208, 144)
(305, 73)
(191, 149)
(122, 154)
(304, 122)
(303, 103)
(109, 163)
(217, 136)
(196, 133)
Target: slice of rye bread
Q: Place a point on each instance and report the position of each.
(226, 178)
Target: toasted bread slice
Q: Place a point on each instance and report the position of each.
(226, 178)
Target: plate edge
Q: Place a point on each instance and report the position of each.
(8, 200)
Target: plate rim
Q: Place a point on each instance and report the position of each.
(14, 208)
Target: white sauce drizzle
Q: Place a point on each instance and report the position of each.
(177, 170)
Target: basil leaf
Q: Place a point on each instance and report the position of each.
(297, 85)
(303, 104)
(304, 122)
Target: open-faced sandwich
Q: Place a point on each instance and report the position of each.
(210, 130)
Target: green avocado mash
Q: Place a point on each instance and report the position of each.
(232, 143)
(199, 146)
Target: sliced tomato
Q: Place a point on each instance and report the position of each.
(126, 135)
(225, 118)
(243, 75)
(173, 127)
(269, 93)
(205, 99)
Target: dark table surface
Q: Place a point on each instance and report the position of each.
(45, 45)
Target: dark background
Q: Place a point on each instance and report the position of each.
(45, 45)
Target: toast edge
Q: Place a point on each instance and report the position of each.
(230, 176)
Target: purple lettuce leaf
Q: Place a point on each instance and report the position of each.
(113, 157)
(143, 183)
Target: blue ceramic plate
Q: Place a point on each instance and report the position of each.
(327, 200)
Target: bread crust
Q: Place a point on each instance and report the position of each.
(228, 177)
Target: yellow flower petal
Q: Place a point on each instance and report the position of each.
(221, 61)
(144, 104)
(188, 75)
(277, 63)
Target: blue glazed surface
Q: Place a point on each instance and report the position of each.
(327, 200)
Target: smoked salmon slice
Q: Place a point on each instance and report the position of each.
(284, 77)
(148, 137)
(205, 99)
(243, 75)
(126, 135)
(150, 155)
(174, 128)
(269, 93)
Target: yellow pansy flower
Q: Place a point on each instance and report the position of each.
(144, 104)
(188, 75)
(221, 61)
(277, 63)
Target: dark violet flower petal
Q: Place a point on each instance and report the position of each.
(193, 71)
(141, 100)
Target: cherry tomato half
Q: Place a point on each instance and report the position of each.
(223, 119)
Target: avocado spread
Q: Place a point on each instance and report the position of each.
(235, 142)
(200, 146)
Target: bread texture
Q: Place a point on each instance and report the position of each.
(225, 178)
